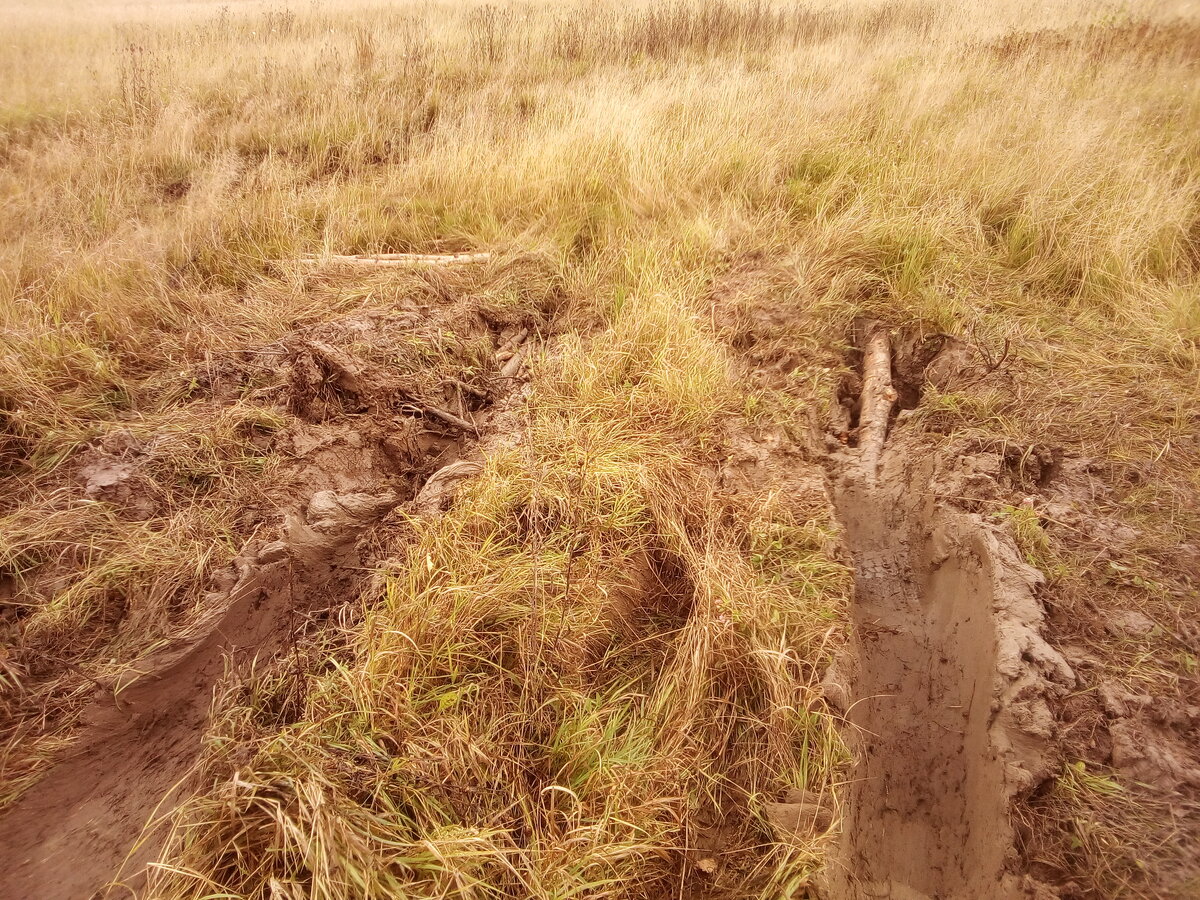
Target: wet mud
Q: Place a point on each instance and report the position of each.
(945, 683)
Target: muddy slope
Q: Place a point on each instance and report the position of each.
(138, 746)
(92, 817)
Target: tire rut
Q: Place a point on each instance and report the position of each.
(947, 677)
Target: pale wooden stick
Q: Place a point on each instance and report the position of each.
(513, 342)
(878, 395)
(513, 364)
(449, 418)
(396, 260)
(478, 393)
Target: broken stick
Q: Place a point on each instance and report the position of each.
(450, 418)
(475, 392)
(878, 396)
(396, 260)
(513, 342)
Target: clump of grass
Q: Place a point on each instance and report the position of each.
(1102, 827)
(561, 683)
(1030, 537)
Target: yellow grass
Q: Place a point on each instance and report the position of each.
(1008, 172)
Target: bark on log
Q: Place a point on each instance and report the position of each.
(878, 397)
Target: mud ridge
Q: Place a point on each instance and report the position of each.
(946, 678)
(138, 743)
(91, 825)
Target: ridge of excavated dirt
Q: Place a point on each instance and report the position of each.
(137, 746)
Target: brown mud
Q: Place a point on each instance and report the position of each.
(946, 681)
(366, 441)
(77, 828)
(969, 741)
(953, 699)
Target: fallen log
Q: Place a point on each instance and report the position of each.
(395, 260)
(878, 397)
(513, 364)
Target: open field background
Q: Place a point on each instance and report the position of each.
(689, 205)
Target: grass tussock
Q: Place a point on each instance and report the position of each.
(575, 682)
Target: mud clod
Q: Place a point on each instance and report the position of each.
(1130, 624)
(440, 487)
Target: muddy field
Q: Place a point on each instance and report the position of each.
(707, 449)
(954, 693)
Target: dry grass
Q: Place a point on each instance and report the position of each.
(1019, 175)
(559, 679)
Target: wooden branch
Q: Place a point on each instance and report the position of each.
(395, 260)
(513, 364)
(512, 343)
(878, 396)
(448, 417)
(478, 393)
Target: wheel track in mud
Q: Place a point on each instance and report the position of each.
(946, 676)
(99, 812)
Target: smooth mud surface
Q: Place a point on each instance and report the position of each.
(946, 680)
(927, 817)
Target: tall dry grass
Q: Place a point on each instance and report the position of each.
(594, 663)
(1015, 174)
